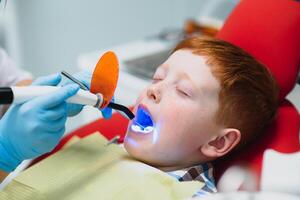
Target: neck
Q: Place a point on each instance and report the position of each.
(173, 168)
(168, 169)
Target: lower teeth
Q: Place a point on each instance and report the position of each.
(139, 129)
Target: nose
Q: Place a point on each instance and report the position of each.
(154, 93)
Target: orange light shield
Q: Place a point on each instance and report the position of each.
(105, 77)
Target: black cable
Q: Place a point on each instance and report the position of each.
(122, 108)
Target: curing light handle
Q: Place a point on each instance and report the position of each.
(6, 95)
(18, 95)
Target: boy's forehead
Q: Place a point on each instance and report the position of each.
(185, 61)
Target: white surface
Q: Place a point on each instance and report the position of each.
(125, 52)
(281, 172)
(250, 196)
(294, 96)
(237, 177)
(51, 34)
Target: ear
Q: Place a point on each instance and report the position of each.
(222, 144)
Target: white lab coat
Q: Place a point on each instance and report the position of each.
(9, 73)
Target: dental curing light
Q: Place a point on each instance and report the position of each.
(103, 85)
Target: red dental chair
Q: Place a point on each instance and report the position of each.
(270, 31)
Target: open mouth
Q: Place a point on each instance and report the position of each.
(143, 122)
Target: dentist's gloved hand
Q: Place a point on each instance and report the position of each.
(85, 78)
(34, 127)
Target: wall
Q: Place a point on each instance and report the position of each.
(53, 33)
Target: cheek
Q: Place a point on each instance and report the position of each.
(178, 112)
(175, 121)
(202, 126)
(186, 125)
(170, 113)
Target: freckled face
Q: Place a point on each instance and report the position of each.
(181, 101)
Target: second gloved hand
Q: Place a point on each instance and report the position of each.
(35, 127)
(85, 78)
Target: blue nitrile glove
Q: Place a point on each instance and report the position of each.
(34, 127)
(85, 78)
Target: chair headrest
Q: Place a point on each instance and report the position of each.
(269, 30)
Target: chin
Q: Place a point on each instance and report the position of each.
(147, 156)
(140, 154)
(136, 154)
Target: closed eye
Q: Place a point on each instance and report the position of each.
(183, 93)
(155, 80)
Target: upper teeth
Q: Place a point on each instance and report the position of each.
(139, 129)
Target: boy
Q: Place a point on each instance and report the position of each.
(208, 98)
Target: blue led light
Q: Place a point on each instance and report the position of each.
(143, 118)
(144, 125)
